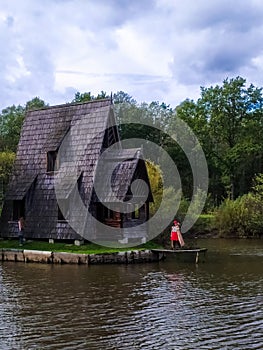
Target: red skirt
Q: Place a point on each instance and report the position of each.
(174, 236)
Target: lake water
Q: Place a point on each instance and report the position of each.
(168, 305)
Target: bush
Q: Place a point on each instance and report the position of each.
(241, 217)
(204, 225)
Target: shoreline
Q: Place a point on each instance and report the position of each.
(50, 257)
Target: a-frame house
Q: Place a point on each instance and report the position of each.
(58, 173)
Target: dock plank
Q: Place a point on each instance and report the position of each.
(191, 253)
(198, 250)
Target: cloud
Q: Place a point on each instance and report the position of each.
(154, 50)
(214, 39)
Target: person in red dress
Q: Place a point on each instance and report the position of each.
(176, 236)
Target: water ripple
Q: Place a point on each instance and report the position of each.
(156, 306)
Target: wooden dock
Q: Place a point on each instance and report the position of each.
(188, 254)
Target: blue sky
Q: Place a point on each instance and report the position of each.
(155, 50)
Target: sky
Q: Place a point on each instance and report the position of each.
(154, 50)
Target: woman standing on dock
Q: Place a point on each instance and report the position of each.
(176, 236)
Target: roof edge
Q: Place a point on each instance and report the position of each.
(68, 104)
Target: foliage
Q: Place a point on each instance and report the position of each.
(231, 110)
(121, 97)
(168, 195)
(194, 207)
(227, 121)
(204, 225)
(142, 121)
(156, 182)
(258, 186)
(35, 103)
(242, 217)
(6, 163)
(11, 123)
(86, 96)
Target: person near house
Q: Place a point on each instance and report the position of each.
(176, 236)
(21, 228)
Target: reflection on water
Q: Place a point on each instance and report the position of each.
(170, 305)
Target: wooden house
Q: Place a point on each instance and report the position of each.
(72, 209)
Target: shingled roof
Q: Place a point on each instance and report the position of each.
(120, 169)
(45, 129)
(17, 191)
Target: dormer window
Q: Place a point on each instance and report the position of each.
(52, 161)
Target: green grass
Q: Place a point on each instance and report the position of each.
(87, 248)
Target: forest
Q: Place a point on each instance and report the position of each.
(227, 119)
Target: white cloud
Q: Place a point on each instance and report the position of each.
(154, 50)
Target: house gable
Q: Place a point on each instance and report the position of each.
(43, 133)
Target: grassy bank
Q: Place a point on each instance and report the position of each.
(204, 226)
(87, 248)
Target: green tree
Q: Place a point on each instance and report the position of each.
(186, 111)
(11, 121)
(82, 97)
(145, 121)
(121, 97)
(230, 110)
(35, 103)
(86, 96)
(6, 165)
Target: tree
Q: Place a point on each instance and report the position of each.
(187, 111)
(82, 97)
(242, 217)
(145, 121)
(86, 96)
(6, 165)
(121, 97)
(11, 123)
(35, 103)
(230, 110)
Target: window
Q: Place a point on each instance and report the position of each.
(18, 209)
(52, 161)
(103, 213)
(136, 212)
(130, 209)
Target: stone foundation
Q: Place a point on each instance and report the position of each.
(129, 257)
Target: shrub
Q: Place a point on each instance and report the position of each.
(241, 217)
(204, 225)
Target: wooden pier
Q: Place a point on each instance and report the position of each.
(187, 254)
